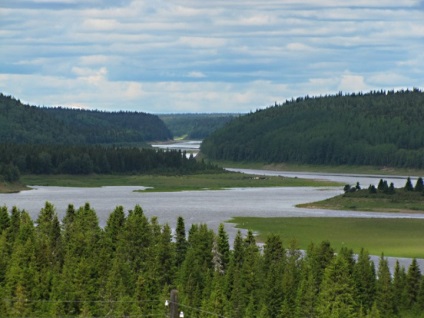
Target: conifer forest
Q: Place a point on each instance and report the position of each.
(75, 268)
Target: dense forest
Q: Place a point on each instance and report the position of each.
(382, 128)
(195, 126)
(21, 123)
(16, 159)
(74, 268)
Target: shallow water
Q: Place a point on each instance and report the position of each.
(209, 207)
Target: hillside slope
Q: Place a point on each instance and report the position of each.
(378, 128)
(195, 126)
(21, 123)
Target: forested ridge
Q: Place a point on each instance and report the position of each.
(16, 159)
(75, 268)
(382, 128)
(21, 123)
(195, 126)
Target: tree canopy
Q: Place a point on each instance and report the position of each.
(21, 123)
(378, 128)
(75, 268)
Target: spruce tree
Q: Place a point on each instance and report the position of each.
(365, 280)
(408, 185)
(384, 289)
(413, 282)
(337, 292)
(419, 185)
(180, 242)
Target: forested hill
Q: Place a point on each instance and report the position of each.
(378, 128)
(195, 126)
(21, 123)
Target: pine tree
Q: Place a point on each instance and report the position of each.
(337, 293)
(400, 294)
(384, 289)
(291, 279)
(408, 185)
(274, 263)
(223, 246)
(4, 219)
(180, 242)
(413, 282)
(365, 280)
(419, 185)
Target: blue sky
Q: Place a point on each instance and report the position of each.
(205, 56)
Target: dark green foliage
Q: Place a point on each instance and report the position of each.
(78, 269)
(30, 124)
(408, 185)
(372, 189)
(55, 159)
(379, 128)
(195, 126)
(419, 185)
(10, 172)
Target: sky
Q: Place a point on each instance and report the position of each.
(196, 56)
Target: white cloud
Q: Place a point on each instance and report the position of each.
(199, 55)
(196, 74)
(352, 83)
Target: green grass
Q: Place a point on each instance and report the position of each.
(401, 201)
(160, 183)
(393, 237)
(6, 187)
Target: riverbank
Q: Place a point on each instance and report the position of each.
(163, 183)
(347, 169)
(15, 187)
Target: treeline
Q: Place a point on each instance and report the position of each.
(381, 128)
(16, 159)
(26, 124)
(74, 268)
(195, 126)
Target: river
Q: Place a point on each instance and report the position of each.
(209, 207)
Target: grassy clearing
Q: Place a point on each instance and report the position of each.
(401, 201)
(6, 187)
(174, 183)
(393, 237)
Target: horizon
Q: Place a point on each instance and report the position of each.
(205, 57)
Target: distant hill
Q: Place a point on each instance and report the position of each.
(378, 128)
(195, 126)
(21, 123)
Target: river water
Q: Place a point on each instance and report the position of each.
(209, 207)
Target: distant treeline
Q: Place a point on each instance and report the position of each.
(47, 159)
(22, 124)
(382, 128)
(195, 126)
(75, 268)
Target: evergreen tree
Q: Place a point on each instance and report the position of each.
(223, 246)
(408, 185)
(307, 293)
(365, 280)
(274, 264)
(4, 219)
(180, 241)
(400, 294)
(337, 293)
(114, 226)
(291, 279)
(419, 185)
(413, 282)
(384, 289)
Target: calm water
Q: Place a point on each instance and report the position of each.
(209, 207)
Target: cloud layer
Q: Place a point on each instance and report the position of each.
(205, 56)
